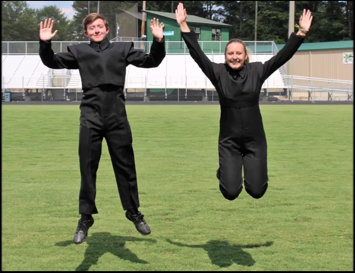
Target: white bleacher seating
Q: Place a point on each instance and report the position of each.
(175, 71)
(275, 80)
(134, 78)
(75, 80)
(155, 77)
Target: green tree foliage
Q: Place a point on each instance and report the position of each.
(61, 23)
(20, 23)
(240, 15)
(166, 6)
(272, 21)
(333, 20)
(198, 8)
(203, 9)
(108, 8)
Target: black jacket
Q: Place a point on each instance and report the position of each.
(240, 87)
(102, 63)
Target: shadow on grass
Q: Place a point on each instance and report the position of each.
(103, 242)
(224, 254)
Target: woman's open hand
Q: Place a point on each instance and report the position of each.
(306, 20)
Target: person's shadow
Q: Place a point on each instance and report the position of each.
(103, 242)
(224, 254)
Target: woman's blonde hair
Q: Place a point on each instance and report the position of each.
(235, 40)
(92, 17)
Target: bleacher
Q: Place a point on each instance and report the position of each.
(24, 72)
(175, 71)
(178, 77)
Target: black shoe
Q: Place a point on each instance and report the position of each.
(82, 230)
(139, 222)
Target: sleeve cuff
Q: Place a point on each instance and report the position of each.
(162, 40)
(45, 41)
(293, 34)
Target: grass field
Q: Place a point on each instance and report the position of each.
(304, 221)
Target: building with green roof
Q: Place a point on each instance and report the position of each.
(334, 45)
(208, 30)
(332, 60)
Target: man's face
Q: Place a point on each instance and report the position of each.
(96, 30)
(235, 55)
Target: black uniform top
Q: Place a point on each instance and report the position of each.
(240, 88)
(102, 63)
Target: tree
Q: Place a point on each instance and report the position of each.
(273, 21)
(108, 8)
(350, 19)
(333, 20)
(17, 21)
(240, 15)
(61, 23)
(20, 23)
(166, 6)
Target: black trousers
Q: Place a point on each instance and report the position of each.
(242, 150)
(103, 115)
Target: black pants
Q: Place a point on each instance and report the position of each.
(103, 115)
(242, 147)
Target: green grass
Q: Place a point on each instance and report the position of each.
(304, 221)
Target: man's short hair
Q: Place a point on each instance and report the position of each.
(92, 17)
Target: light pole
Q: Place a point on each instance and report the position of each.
(291, 18)
(291, 27)
(256, 21)
(144, 18)
(256, 25)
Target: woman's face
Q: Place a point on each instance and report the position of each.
(235, 55)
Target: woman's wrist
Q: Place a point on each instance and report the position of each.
(301, 33)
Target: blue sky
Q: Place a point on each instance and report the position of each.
(64, 6)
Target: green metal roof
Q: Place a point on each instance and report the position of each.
(190, 18)
(324, 45)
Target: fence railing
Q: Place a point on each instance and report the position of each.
(316, 88)
(172, 47)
